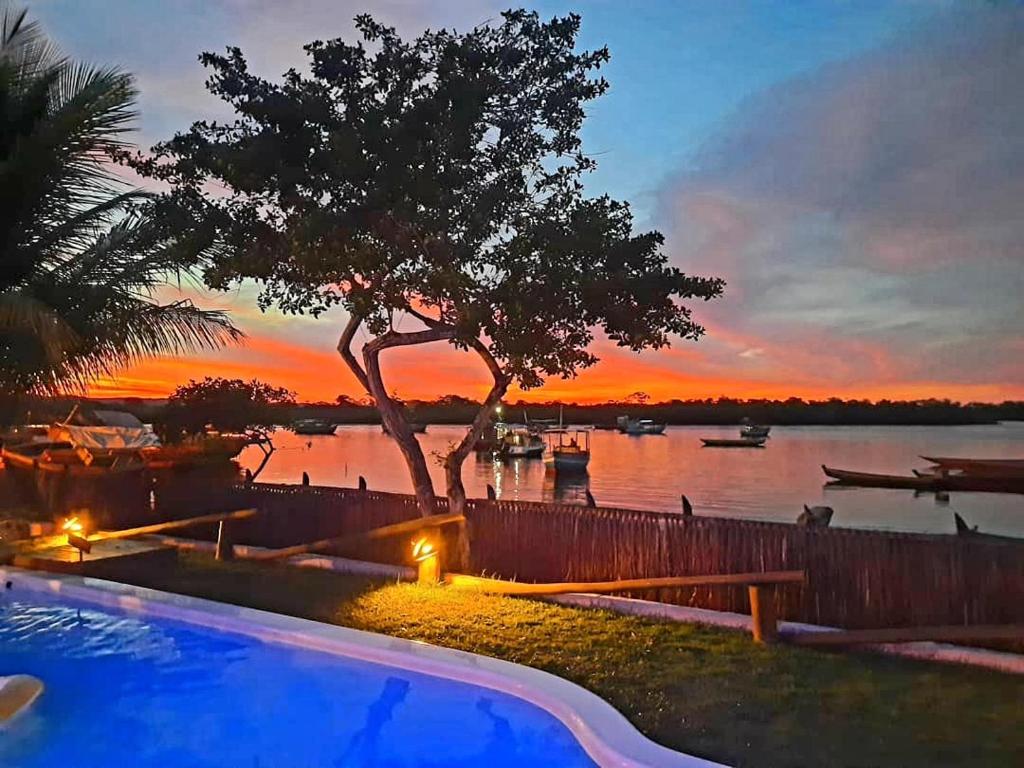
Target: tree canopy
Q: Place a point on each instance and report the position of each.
(440, 179)
(225, 405)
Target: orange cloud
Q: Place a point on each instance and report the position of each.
(686, 371)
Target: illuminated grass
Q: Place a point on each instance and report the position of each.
(706, 691)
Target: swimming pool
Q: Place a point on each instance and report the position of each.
(128, 682)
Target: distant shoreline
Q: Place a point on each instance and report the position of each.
(720, 412)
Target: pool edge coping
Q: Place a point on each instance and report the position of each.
(603, 732)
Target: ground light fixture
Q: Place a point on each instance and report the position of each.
(77, 538)
(425, 554)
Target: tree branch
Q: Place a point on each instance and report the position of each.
(398, 339)
(345, 350)
(498, 390)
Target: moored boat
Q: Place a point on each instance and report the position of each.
(926, 482)
(313, 427)
(754, 430)
(997, 467)
(875, 480)
(629, 426)
(568, 449)
(519, 442)
(62, 458)
(731, 442)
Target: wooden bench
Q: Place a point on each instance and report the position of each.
(760, 587)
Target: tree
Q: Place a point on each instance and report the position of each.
(437, 179)
(80, 255)
(250, 408)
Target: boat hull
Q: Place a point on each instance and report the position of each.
(568, 461)
(966, 482)
(325, 430)
(991, 467)
(751, 442)
(522, 452)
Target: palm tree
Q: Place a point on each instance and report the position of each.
(82, 258)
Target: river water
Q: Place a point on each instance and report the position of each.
(650, 472)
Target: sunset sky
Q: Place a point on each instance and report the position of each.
(854, 170)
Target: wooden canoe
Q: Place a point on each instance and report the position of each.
(873, 480)
(733, 442)
(993, 467)
(963, 482)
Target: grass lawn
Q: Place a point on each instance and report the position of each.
(705, 691)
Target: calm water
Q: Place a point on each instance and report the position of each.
(651, 472)
(139, 692)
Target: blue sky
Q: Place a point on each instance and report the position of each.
(678, 69)
(852, 168)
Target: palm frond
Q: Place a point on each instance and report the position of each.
(81, 256)
(22, 313)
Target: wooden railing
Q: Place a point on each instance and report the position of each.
(855, 579)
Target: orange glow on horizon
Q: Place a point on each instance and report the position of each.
(320, 375)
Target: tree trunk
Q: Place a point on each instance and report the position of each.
(453, 462)
(399, 430)
(391, 413)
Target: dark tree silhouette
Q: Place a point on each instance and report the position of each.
(249, 408)
(438, 180)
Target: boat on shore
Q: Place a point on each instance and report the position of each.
(313, 427)
(733, 442)
(90, 443)
(629, 426)
(61, 458)
(926, 482)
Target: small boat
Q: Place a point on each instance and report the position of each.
(926, 482)
(568, 449)
(874, 480)
(64, 459)
(730, 442)
(754, 430)
(519, 442)
(628, 426)
(992, 467)
(313, 427)
(25, 433)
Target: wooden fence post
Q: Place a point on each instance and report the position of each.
(225, 549)
(762, 613)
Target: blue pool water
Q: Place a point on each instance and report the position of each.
(134, 691)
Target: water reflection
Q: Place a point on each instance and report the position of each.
(651, 472)
(565, 487)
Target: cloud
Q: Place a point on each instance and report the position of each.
(867, 215)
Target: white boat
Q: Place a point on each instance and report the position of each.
(754, 431)
(568, 449)
(628, 426)
(516, 441)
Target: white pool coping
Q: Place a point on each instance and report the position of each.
(606, 736)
